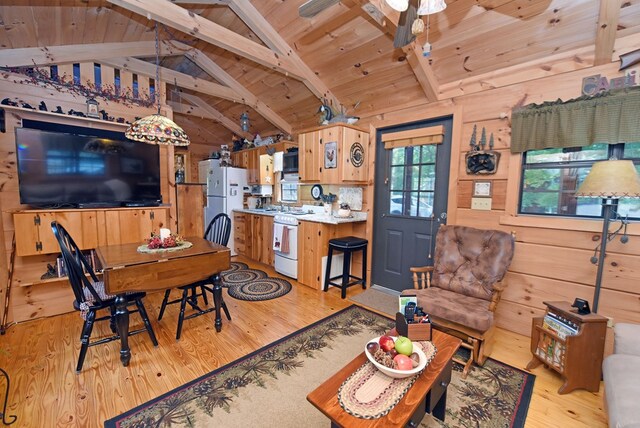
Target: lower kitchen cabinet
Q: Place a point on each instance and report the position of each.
(254, 237)
(313, 245)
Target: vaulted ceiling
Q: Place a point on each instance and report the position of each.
(287, 63)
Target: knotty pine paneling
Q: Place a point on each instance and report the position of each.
(516, 317)
(499, 127)
(498, 190)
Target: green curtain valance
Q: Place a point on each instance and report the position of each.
(611, 117)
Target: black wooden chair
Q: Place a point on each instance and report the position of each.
(90, 295)
(218, 231)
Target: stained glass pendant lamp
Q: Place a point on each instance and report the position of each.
(156, 128)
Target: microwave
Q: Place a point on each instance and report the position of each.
(290, 162)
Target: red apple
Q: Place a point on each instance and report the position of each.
(403, 362)
(386, 343)
(392, 353)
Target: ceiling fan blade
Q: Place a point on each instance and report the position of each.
(403, 33)
(314, 7)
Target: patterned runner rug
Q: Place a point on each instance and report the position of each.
(268, 387)
(253, 284)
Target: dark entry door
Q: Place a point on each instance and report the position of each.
(411, 189)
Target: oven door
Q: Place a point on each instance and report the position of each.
(293, 244)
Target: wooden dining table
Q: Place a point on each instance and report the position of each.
(126, 270)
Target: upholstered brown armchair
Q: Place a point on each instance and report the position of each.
(461, 290)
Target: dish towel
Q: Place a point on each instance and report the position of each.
(285, 240)
(277, 236)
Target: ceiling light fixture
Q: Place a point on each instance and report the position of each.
(156, 128)
(399, 5)
(244, 122)
(427, 7)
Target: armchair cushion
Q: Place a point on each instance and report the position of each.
(626, 339)
(470, 261)
(468, 311)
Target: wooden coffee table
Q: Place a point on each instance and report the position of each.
(427, 395)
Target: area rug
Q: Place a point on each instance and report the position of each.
(268, 387)
(378, 301)
(253, 284)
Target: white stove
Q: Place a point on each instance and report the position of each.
(286, 263)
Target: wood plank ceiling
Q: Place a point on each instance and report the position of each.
(348, 52)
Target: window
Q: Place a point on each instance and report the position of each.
(97, 75)
(116, 80)
(412, 180)
(76, 73)
(135, 85)
(550, 178)
(289, 192)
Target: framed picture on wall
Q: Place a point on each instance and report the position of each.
(331, 155)
(181, 166)
(482, 188)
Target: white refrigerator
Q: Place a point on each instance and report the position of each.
(225, 187)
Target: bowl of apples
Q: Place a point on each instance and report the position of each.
(396, 357)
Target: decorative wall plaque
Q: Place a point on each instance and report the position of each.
(356, 155)
(331, 155)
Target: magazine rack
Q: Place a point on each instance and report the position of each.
(571, 344)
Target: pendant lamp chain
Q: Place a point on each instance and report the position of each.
(157, 68)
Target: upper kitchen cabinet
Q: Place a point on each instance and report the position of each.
(334, 154)
(259, 168)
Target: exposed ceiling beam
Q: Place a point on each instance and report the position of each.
(205, 111)
(422, 69)
(198, 126)
(180, 79)
(387, 20)
(214, 70)
(606, 30)
(186, 21)
(47, 55)
(205, 2)
(265, 31)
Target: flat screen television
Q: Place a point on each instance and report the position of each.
(82, 167)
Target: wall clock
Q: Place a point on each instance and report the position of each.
(316, 192)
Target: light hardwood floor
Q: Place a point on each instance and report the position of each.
(40, 357)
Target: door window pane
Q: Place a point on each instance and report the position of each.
(397, 178)
(397, 156)
(412, 174)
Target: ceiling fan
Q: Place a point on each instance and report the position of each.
(403, 34)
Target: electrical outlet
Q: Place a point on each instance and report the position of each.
(481, 204)
(609, 322)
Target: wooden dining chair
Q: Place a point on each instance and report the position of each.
(218, 231)
(90, 295)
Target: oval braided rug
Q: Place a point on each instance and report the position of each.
(253, 284)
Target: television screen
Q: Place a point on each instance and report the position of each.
(70, 168)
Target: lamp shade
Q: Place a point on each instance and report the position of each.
(613, 179)
(399, 5)
(427, 7)
(157, 129)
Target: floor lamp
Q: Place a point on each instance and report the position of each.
(610, 181)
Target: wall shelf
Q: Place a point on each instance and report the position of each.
(22, 111)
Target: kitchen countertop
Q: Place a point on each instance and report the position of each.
(355, 217)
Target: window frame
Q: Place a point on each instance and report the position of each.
(613, 151)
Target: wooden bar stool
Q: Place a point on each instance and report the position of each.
(347, 245)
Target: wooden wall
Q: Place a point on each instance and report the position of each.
(552, 258)
(46, 299)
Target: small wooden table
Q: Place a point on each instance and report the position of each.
(427, 395)
(126, 270)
